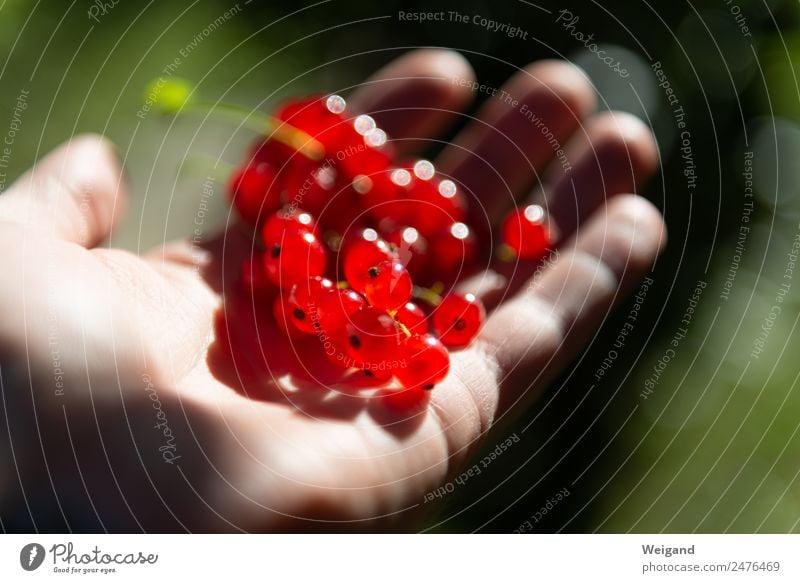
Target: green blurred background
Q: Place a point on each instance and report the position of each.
(712, 446)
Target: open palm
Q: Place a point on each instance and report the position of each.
(141, 393)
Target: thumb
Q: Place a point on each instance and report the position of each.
(76, 193)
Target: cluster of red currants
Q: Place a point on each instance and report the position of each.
(354, 240)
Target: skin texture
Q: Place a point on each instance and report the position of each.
(103, 351)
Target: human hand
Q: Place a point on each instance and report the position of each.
(128, 410)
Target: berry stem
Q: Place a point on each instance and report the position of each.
(267, 125)
(505, 254)
(176, 96)
(427, 295)
(403, 328)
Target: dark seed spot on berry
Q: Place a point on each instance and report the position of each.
(299, 314)
(373, 272)
(459, 324)
(369, 373)
(355, 341)
(276, 250)
(317, 325)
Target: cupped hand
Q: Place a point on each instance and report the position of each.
(130, 403)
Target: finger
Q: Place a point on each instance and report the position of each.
(616, 154)
(534, 335)
(417, 95)
(521, 127)
(76, 193)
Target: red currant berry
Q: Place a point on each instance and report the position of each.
(388, 285)
(413, 318)
(383, 194)
(371, 377)
(454, 251)
(273, 152)
(341, 212)
(321, 118)
(282, 311)
(458, 319)
(362, 252)
(300, 113)
(525, 232)
(372, 339)
(334, 309)
(285, 220)
(366, 154)
(255, 193)
(411, 249)
(365, 240)
(254, 279)
(364, 160)
(334, 345)
(309, 185)
(407, 402)
(432, 204)
(304, 300)
(294, 257)
(423, 362)
(450, 200)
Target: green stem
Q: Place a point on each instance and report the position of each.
(403, 329)
(263, 124)
(427, 295)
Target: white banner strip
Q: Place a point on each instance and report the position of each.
(400, 558)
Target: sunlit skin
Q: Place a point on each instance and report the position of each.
(140, 409)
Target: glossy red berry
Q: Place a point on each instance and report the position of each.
(383, 195)
(254, 278)
(294, 257)
(334, 309)
(525, 232)
(362, 252)
(300, 113)
(372, 339)
(321, 118)
(372, 377)
(454, 251)
(341, 212)
(334, 345)
(365, 154)
(458, 319)
(413, 318)
(450, 200)
(309, 185)
(432, 203)
(388, 285)
(273, 152)
(309, 113)
(411, 249)
(288, 219)
(304, 300)
(281, 310)
(423, 362)
(255, 193)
